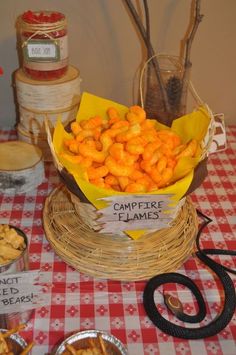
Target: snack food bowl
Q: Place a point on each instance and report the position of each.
(17, 265)
(21, 263)
(82, 340)
(15, 342)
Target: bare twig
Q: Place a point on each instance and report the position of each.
(148, 35)
(149, 47)
(187, 62)
(197, 19)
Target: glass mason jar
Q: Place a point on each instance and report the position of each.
(44, 44)
(166, 88)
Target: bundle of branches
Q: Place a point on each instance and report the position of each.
(165, 101)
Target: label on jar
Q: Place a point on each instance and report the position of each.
(39, 53)
(42, 50)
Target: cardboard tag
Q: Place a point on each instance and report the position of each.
(135, 212)
(19, 292)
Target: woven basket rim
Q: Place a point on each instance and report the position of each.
(116, 257)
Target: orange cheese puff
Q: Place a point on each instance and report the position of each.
(120, 124)
(129, 159)
(147, 124)
(135, 187)
(176, 140)
(97, 133)
(98, 182)
(152, 186)
(96, 173)
(137, 174)
(168, 135)
(136, 114)
(165, 177)
(150, 148)
(117, 169)
(115, 131)
(137, 163)
(157, 155)
(155, 175)
(112, 113)
(116, 150)
(161, 164)
(132, 132)
(170, 142)
(93, 122)
(84, 134)
(177, 150)
(74, 146)
(123, 182)
(166, 150)
(171, 163)
(106, 141)
(90, 141)
(116, 188)
(111, 180)
(146, 166)
(82, 123)
(90, 152)
(113, 120)
(72, 158)
(95, 164)
(67, 142)
(149, 134)
(190, 150)
(75, 127)
(86, 162)
(98, 145)
(135, 145)
(145, 180)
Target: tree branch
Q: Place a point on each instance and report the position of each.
(197, 19)
(148, 45)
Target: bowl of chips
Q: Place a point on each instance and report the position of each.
(91, 342)
(12, 343)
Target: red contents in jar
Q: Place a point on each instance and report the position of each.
(46, 74)
(33, 17)
(35, 69)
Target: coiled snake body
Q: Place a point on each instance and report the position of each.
(228, 309)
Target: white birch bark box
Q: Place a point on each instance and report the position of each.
(21, 167)
(38, 100)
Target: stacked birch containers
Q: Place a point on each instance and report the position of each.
(47, 86)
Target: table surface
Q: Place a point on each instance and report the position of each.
(80, 302)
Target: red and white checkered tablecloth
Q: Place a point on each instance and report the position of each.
(80, 302)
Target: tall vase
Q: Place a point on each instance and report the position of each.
(166, 88)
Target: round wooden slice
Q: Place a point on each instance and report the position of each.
(21, 167)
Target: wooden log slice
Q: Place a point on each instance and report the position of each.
(21, 167)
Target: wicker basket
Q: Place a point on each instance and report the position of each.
(71, 226)
(117, 258)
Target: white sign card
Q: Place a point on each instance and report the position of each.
(135, 212)
(19, 292)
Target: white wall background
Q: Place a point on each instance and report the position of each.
(105, 46)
